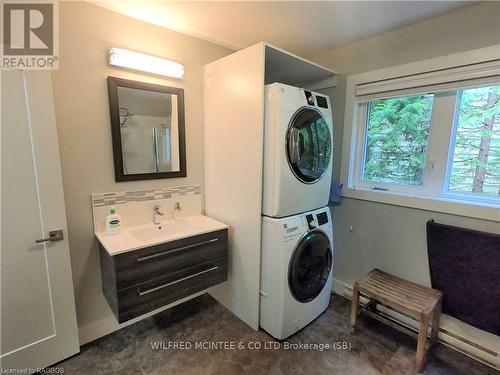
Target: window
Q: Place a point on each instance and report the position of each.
(475, 158)
(443, 144)
(396, 139)
(426, 135)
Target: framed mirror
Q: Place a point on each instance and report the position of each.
(147, 126)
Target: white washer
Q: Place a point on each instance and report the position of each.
(298, 145)
(296, 271)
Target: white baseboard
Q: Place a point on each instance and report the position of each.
(477, 344)
(101, 328)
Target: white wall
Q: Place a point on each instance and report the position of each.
(83, 123)
(385, 236)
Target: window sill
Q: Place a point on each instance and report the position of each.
(446, 205)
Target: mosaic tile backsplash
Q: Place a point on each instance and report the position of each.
(122, 197)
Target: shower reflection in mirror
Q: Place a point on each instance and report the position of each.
(151, 130)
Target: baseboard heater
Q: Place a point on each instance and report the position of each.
(447, 337)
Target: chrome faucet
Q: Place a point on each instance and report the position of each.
(158, 214)
(177, 208)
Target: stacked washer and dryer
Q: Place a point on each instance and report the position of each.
(297, 253)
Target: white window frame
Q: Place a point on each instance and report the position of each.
(465, 196)
(432, 195)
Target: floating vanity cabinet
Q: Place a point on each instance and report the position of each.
(142, 280)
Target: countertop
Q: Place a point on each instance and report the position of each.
(125, 241)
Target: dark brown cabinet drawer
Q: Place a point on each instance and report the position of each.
(140, 281)
(155, 261)
(147, 296)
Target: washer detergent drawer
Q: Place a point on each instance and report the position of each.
(143, 280)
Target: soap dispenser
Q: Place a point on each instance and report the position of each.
(113, 222)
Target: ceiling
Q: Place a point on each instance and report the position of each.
(303, 27)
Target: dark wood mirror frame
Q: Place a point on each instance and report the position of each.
(113, 84)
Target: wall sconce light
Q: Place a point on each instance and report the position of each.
(146, 63)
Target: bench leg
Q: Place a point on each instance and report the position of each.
(436, 315)
(354, 308)
(422, 341)
(371, 305)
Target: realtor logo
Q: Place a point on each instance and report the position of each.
(30, 35)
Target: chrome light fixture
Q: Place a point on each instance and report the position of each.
(146, 63)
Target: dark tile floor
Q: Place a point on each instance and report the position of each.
(375, 349)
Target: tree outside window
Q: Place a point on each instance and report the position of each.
(397, 138)
(476, 154)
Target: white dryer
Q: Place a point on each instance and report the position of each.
(298, 145)
(296, 271)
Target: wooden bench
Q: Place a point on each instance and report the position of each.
(410, 299)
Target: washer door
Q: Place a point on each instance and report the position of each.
(309, 145)
(310, 266)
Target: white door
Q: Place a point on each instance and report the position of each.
(38, 318)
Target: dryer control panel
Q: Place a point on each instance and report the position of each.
(316, 99)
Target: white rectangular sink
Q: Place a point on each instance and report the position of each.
(141, 236)
(164, 230)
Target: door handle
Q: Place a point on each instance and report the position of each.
(293, 144)
(171, 251)
(141, 293)
(297, 146)
(54, 235)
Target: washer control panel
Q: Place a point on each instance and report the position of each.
(315, 220)
(293, 226)
(322, 218)
(298, 225)
(311, 221)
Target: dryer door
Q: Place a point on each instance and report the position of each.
(309, 145)
(310, 266)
